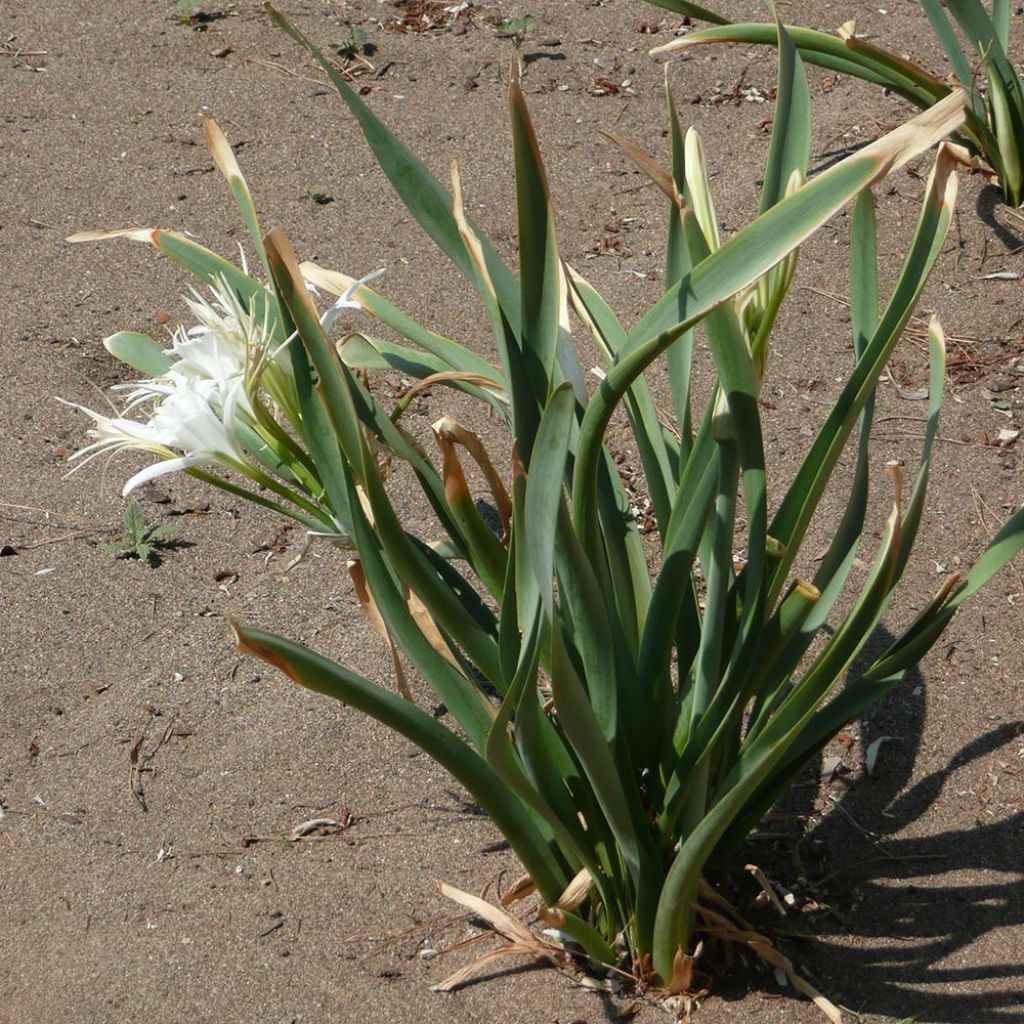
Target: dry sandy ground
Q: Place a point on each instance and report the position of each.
(148, 773)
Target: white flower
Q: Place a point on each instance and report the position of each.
(184, 430)
(345, 300)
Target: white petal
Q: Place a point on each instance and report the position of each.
(346, 300)
(155, 470)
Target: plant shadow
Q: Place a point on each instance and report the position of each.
(909, 908)
(990, 203)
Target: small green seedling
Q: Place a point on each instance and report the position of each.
(516, 29)
(140, 541)
(355, 47)
(187, 9)
(191, 13)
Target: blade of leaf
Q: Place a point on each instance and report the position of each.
(224, 157)
(323, 676)
(790, 146)
(139, 351)
(423, 195)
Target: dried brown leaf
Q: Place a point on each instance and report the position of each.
(358, 577)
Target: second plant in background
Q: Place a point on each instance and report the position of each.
(976, 43)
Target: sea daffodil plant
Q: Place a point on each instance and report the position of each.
(975, 41)
(625, 709)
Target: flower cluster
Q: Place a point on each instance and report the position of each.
(225, 398)
(189, 412)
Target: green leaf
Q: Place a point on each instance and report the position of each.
(691, 10)
(540, 269)
(658, 451)
(423, 195)
(677, 266)
(449, 354)
(472, 771)
(797, 508)
(139, 351)
(751, 252)
(545, 488)
(950, 43)
(224, 157)
(857, 58)
(790, 146)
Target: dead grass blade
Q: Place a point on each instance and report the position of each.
(720, 927)
(576, 891)
(682, 971)
(474, 249)
(220, 149)
(465, 377)
(135, 234)
(502, 922)
(767, 888)
(521, 888)
(428, 627)
(659, 175)
(358, 577)
(450, 432)
(461, 976)
(521, 941)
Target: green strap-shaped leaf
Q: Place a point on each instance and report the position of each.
(751, 252)
(461, 696)
(1005, 90)
(545, 484)
(625, 557)
(503, 756)
(835, 566)
(691, 10)
(423, 195)
(139, 351)
(472, 771)
(915, 506)
(790, 146)
(540, 269)
(545, 755)
(450, 353)
(224, 157)
(257, 498)
(657, 452)
(935, 12)
(677, 266)
(698, 191)
(887, 672)
(798, 506)
(215, 270)
(759, 758)
(718, 573)
(674, 585)
(852, 56)
(703, 741)
(834, 658)
(337, 390)
(1001, 21)
(856, 57)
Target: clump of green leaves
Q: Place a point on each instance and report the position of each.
(141, 541)
(975, 41)
(625, 709)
